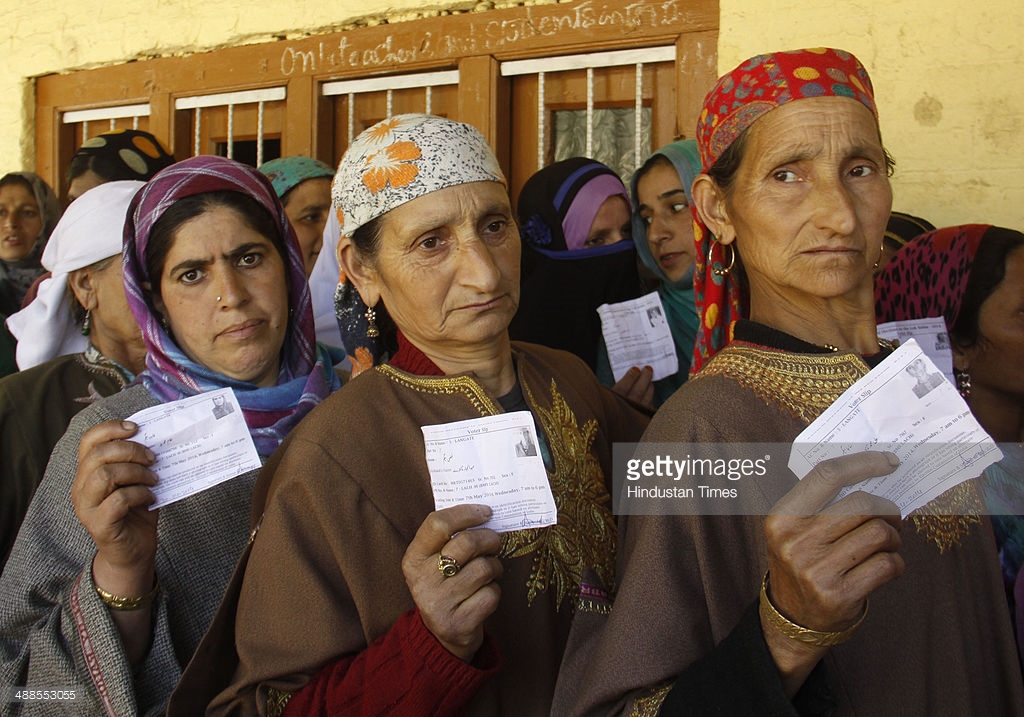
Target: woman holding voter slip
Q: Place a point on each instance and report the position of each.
(768, 613)
(402, 609)
(101, 594)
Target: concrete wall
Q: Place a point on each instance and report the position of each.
(948, 80)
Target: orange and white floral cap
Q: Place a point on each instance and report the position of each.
(404, 157)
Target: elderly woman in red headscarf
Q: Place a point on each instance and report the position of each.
(744, 614)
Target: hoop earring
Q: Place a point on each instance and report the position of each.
(719, 271)
(881, 250)
(963, 382)
(371, 323)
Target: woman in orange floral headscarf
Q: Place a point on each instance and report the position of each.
(756, 602)
(358, 595)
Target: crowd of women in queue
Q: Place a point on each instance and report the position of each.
(327, 583)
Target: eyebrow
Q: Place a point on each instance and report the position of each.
(238, 251)
(316, 205)
(664, 195)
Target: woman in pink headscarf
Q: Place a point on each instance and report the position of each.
(741, 614)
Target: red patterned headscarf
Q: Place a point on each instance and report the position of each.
(928, 277)
(737, 100)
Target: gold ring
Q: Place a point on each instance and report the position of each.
(448, 565)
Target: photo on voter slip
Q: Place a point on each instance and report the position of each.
(494, 461)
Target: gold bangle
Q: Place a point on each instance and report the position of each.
(800, 633)
(118, 602)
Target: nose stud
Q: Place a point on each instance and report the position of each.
(218, 298)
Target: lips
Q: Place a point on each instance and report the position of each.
(670, 258)
(242, 330)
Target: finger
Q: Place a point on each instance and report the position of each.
(105, 522)
(469, 544)
(104, 432)
(93, 488)
(478, 606)
(624, 386)
(824, 482)
(859, 504)
(439, 527)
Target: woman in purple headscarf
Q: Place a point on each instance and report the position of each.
(99, 591)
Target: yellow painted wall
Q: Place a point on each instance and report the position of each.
(947, 75)
(949, 83)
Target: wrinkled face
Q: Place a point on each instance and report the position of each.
(112, 317)
(666, 214)
(21, 222)
(810, 201)
(611, 223)
(307, 207)
(994, 363)
(448, 268)
(224, 290)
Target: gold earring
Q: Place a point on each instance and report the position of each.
(371, 323)
(719, 271)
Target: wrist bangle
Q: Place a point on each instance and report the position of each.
(118, 602)
(798, 632)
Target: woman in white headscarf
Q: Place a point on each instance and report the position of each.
(78, 343)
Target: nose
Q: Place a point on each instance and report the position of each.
(478, 268)
(232, 289)
(659, 230)
(834, 207)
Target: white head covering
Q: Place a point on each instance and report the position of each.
(91, 230)
(405, 157)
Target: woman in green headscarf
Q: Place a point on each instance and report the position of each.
(663, 234)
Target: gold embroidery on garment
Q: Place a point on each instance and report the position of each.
(650, 705)
(444, 385)
(585, 534)
(276, 702)
(947, 520)
(804, 384)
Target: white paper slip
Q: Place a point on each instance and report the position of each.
(637, 333)
(905, 406)
(199, 441)
(931, 335)
(493, 461)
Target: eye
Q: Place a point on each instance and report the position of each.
(646, 219)
(430, 243)
(784, 175)
(314, 218)
(680, 207)
(192, 276)
(250, 259)
(862, 170)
